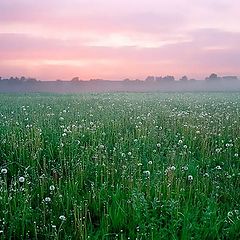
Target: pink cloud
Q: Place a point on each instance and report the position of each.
(50, 39)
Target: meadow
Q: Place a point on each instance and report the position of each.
(120, 166)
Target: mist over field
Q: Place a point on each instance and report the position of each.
(150, 84)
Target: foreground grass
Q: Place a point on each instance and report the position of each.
(120, 166)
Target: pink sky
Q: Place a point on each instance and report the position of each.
(110, 39)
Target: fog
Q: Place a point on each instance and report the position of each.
(150, 84)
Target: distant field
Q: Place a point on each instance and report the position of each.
(120, 166)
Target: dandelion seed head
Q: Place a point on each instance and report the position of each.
(190, 177)
(21, 179)
(47, 199)
(4, 171)
(62, 218)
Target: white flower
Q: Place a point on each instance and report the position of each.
(62, 218)
(172, 168)
(218, 167)
(190, 177)
(47, 199)
(185, 168)
(158, 145)
(52, 187)
(230, 214)
(4, 171)
(147, 173)
(21, 179)
(150, 162)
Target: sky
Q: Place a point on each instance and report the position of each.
(113, 39)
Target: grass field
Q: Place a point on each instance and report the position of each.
(120, 166)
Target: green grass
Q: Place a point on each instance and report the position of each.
(123, 166)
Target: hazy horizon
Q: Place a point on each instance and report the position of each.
(112, 40)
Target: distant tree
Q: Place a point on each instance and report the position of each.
(183, 78)
(75, 79)
(213, 75)
(31, 80)
(169, 78)
(150, 79)
(158, 79)
(22, 79)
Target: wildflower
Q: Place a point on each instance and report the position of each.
(47, 199)
(4, 171)
(147, 173)
(218, 150)
(61, 118)
(150, 162)
(52, 188)
(218, 167)
(190, 177)
(185, 168)
(62, 218)
(21, 179)
(230, 214)
(158, 145)
(172, 168)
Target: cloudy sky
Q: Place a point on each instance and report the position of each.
(113, 39)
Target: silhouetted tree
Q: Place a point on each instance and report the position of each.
(150, 79)
(159, 79)
(183, 78)
(168, 78)
(213, 76)
(75, 79)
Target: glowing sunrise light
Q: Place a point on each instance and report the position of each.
(115, 39)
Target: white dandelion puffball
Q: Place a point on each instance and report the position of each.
(52, 188)
(21, 179)
(4, 171)
(190, 177)
(62, 218)
(47, 199)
